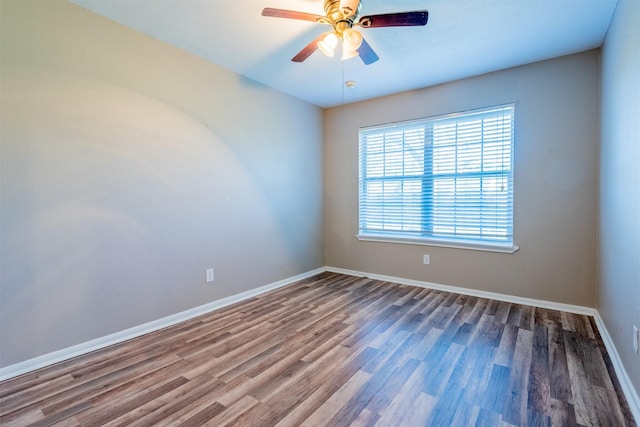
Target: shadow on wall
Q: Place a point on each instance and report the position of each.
(108, 194)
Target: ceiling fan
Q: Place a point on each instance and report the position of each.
(343, 15)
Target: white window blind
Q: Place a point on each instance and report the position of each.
(447, 178)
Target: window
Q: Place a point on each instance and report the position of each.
(444, 180)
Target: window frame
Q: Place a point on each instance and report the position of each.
(482, 244)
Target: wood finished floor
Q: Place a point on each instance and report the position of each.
(338, 350)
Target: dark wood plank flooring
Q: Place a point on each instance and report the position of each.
(338, 350)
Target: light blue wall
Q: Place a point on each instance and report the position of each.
(619, 219)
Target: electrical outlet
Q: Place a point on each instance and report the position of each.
(210, 276)
(426, 259)
(636, 337)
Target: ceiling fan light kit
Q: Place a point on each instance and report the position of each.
(343, 15)
(328, 44)
(352, 40)
(348, 54)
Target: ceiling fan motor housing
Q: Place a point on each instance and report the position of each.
(340, 18)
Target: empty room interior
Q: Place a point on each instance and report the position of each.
(207, 219)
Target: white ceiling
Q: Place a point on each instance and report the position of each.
(463, 38)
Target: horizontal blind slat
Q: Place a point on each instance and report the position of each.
(437, 177)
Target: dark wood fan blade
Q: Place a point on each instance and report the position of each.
(367, 54)
(307, 50)
(401, 19)
(291, 14)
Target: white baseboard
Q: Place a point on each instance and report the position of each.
(623, 378)
(625, 382)
(118, 337)
(577, 309)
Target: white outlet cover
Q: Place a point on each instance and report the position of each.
(210, 276)
(426, 259)
(635, 339)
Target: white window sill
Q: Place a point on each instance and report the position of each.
(456, 244)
